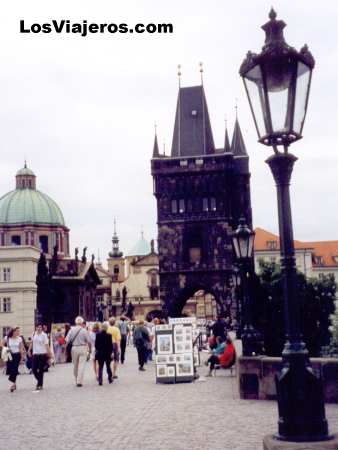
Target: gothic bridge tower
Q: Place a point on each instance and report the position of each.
(201, 193)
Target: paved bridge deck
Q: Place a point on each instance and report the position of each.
(134, 413)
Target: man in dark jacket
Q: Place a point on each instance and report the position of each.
(219, 328)
(103, 352)
(141, 340)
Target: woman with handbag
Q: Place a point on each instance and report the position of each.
(39, 347)
(14, 355)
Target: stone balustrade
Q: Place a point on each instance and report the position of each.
(256, 377)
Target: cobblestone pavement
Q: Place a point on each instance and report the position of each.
(134, 413)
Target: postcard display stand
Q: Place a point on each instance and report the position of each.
(174, 351)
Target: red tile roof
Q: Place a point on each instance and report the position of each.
(327, 250)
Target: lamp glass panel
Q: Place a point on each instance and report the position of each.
(243, 246)
(236, 247)
(254, 85)
(303, 86)
(279, 77)
(250, 245)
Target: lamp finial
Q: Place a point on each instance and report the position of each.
(272, 14)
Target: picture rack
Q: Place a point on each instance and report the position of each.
(175, 358)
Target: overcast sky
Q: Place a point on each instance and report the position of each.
(82, 109)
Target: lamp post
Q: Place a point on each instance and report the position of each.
(236, 282)
(243, 240)
(277, 83)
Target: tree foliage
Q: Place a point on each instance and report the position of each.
(333, 348)
(316, 297)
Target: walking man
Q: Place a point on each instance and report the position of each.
(141, 341)
(116, 339)
(104, 350)
(79, 340)
(123, 327)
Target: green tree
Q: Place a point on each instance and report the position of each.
(334, 332)
(316, 297)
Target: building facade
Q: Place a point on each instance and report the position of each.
(313, 258)
(18, 268)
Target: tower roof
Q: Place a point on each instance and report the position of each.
(237, 145)
(192, 130)
(156, 152)
(227, 147)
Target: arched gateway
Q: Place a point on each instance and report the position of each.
(201, 193)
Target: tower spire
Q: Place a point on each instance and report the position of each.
(156, 152)
(237, 144)
(115, 253)
(201, 72)
(179, 73)
(227, 147)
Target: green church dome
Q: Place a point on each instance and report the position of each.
(29, 206)
(141, 248)
(26, 205)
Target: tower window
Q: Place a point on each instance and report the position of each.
(213, 206)
(116, 270)
(181, 206)
(189, 205)
(205, 206)
(174, 206)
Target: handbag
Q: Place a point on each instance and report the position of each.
(6, 354)
(69, 346)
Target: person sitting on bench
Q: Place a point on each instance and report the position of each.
(226, 359)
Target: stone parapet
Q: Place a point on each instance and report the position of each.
(256, 377)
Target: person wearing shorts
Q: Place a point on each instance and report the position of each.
(116, 338)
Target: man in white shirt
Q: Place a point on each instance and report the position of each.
(81, 348)
(40, 349)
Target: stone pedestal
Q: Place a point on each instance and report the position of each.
(270, 443)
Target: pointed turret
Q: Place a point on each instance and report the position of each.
(192, 130)
(156, 152)
(237, 145)
(227, 147)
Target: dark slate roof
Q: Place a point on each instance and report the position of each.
(237, 145)
(227, 147)
(156, 152)
(192, 130)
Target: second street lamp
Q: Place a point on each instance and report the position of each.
(243, 241)
(277, 82)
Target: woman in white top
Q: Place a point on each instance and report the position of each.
(14, 343)
(41, 351)
(96, 328)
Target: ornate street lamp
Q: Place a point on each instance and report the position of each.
(236, 283)
(243, 241)
(277, 82)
